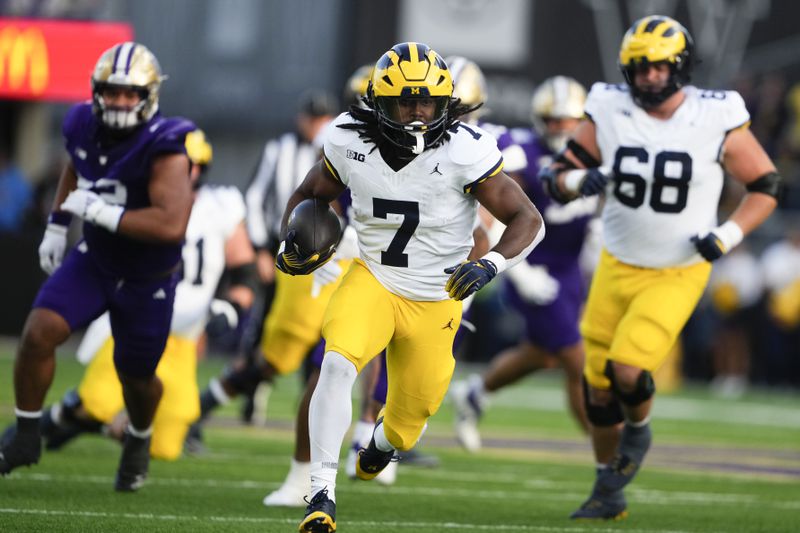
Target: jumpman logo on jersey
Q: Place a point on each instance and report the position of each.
(449, 325)
(436, 171)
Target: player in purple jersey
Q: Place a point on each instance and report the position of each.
(128, 180)
(547, 290)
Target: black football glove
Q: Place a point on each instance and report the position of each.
(289, 260)
(709, 246)
(469, 277)
(594, 182)
(548, 177)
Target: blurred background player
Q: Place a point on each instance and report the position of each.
(547, 290)
(216, 244)
(293, 318)
(128, 180)
(659, 149)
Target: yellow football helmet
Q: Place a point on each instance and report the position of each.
(355, 90)
(410, 71)
(198, 148)
(132, 66)
(656, 39)
(469, 85)
(559, 97)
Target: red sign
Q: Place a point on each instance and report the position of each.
(53, 59)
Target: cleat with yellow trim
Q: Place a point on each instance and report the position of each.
(371, 461)
(602, 506)
(320, 514)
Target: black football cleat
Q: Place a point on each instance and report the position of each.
(371, 461)
(133, 464)
(320, 514)
(413, 457)
(19, 451)
(56, 435)
(194, 445)
(601, 506)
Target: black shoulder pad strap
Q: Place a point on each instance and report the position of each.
(583, 156)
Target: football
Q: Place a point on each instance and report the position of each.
(316, 227)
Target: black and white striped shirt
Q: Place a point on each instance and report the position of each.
(284, 164)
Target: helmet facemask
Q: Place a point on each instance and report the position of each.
(122, 119)
(414, 136)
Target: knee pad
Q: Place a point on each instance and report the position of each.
(643, 391)
(602, 415)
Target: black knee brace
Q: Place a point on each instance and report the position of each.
(644, 390)
(602, 415)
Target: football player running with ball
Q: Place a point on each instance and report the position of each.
(416, 175)
(658, 148)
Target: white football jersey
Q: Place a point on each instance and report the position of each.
(216, 212)
(413, 223)
(668, 175)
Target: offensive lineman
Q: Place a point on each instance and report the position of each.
(415, 173)
(658, 148)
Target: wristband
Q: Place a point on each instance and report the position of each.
(60, 218)
(729, 234)
(573, 180)
(497, 260)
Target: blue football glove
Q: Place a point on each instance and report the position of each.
(469, 277)
(290, 262)
(594, 182)
(710, 246)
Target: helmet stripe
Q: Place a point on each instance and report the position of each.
(130, 58)
(122, 58)
(652, 24)
(413, 52)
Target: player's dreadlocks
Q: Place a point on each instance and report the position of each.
(367, 123)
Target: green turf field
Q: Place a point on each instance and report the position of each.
(716, 466)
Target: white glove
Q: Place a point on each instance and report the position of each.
(92, 208)
(534, 283)
(324, 275)
(51, 251)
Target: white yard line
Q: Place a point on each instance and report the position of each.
(552, 492)
(350, 523)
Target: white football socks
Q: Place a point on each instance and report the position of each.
(381, 442)
(329, 417)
